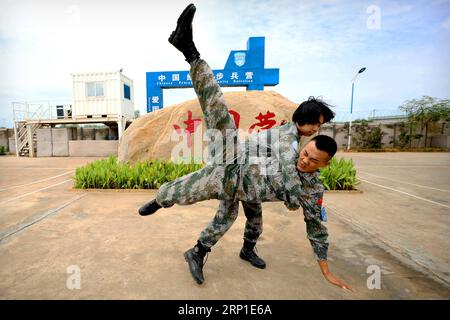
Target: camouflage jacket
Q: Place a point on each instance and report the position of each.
(274, 177)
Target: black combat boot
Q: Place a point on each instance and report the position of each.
(149, 208)
(194, 258)
(181, 38)
(248, 253)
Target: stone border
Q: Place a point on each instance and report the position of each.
(357, 191)
(110, 190)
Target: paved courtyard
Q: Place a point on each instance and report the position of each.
(399, 224)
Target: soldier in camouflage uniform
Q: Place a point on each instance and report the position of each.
(282, 175)
(228, 210)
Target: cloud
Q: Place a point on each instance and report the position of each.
(446, 24)
(318, 46)
(440, 2)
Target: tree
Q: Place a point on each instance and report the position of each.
(405, 137)
(368, 137)
(426, 110)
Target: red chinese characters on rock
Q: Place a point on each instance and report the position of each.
(191, 126)
(264, 122)
(236, 116)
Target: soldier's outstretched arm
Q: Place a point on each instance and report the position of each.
(318, 233)
(323, 264)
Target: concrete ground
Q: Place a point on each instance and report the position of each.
(405, 207)
(399, 224)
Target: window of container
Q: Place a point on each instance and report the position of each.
(126, 92)
(95, 89)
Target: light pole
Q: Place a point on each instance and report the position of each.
(351, 108)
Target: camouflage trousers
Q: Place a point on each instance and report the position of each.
(225, 217)
(213, 182)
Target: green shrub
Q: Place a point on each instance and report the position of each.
(113, 174)
(2, 150)
(368, 136)
(339, 175)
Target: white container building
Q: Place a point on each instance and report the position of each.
(98, 97)
(102, 94)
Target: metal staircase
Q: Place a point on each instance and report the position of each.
(24, 131)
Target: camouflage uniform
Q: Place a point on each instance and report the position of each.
(274, 178)
(228, 212)
(225, 217)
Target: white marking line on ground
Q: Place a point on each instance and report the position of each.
(39, 218)
(413, 184)
(406, 193)
(37, 181)
(26, 194)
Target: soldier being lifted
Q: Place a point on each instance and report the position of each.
(281, 175)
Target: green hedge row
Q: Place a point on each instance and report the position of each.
(339, 175)
(113, 174)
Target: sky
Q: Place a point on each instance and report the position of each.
(318, 45)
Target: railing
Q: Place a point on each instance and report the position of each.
(23, 111)
(33, 110)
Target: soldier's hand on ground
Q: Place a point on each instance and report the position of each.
(323, 264)
(331, 278)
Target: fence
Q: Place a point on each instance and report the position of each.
(392, 132)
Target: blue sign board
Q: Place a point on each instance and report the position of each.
(243, 68)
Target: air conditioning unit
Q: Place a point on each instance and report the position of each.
(64, 111)
(68, 112)
(60, 112)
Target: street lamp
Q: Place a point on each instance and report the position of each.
(351, 108)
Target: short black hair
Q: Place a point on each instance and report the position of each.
(325, 143)
(308, 112)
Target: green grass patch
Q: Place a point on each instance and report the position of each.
(339, 175)
(2, 150)
(113, 174)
